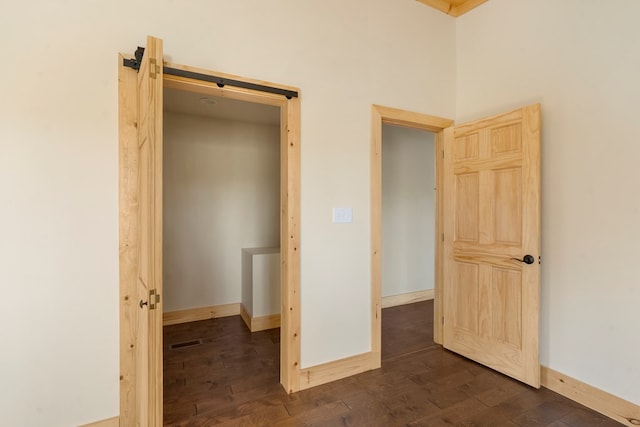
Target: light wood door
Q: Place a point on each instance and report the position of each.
(492, 224)
(149, 283)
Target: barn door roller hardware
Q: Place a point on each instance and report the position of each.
(220, 81)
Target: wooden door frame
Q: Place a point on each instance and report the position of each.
(128, 227)
(386, 115)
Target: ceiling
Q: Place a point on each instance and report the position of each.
(198, 104)
(453, 7)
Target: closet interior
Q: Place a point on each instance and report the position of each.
(221, 206)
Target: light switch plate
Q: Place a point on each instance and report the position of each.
(342, 215)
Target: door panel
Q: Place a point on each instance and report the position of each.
(149, 325)
(492, 220)
(467, 226)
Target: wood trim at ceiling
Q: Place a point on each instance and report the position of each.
(454, 8)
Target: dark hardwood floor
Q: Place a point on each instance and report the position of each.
(231, 379)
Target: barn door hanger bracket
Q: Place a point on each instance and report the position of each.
(134, 63)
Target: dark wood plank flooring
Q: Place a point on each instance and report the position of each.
(231, 379)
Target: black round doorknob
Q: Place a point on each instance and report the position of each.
(527, 259)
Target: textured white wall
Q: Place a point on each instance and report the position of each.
(408, 210)
(59, 166)
(221, 194)
(580, 60)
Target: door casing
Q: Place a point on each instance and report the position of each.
(128, 205)
(386, 115)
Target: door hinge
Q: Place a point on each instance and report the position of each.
(154, 299)
(154, 68)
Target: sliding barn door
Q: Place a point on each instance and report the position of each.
(492, 242)
(149, 281)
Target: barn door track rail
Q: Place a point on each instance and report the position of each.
(220, 81)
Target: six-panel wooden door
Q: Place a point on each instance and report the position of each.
(492, 242)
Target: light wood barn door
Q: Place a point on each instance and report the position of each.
(492, 242)
(149, 283)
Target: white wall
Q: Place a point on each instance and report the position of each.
(580, 60)
(408, 210)
(59, 167)
(221, 194)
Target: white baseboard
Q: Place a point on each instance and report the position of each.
(200, 313)
(408, 298)
(607, 404)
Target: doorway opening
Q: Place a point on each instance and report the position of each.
(408, 240)
(221, 193)
(221, 246)
(140, 218)
(380, 117)
(485, 274)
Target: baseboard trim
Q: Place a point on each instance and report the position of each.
(111, 422)
(261, 323)
(338, 369)
(607, 404)
(245, 316)
(408, 298)
(200, 313)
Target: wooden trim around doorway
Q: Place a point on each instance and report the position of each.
(386, 115)
(127, 235)
(289, 203)
(128, 228)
